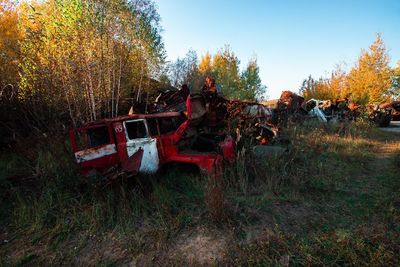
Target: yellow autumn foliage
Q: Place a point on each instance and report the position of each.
(370, 79)
(10, 35)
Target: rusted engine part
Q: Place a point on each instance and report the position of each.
(252, 123)
(382, 114)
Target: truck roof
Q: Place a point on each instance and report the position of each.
(132, 117)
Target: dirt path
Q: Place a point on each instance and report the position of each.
(386, 149)
(394, 127)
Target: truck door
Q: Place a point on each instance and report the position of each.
(138, 137)
(94, 147)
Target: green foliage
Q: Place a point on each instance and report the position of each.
(224, 68)
(251, 86)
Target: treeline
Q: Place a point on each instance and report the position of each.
(370, 81)
(78, 57)
(74, 61)
(224, 67)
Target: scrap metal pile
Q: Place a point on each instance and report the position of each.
(247, 121)
(177, 126)
(291, 106)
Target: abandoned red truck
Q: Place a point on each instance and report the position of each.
(143, 143)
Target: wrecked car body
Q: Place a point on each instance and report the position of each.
(314, 108)
(384, 113)
(143, 143)
(174, 126)
(332, 111)
(253, 121)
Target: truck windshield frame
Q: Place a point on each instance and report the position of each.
(136, 129)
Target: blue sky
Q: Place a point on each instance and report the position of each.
(291, 39)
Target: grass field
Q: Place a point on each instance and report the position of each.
(332, 199)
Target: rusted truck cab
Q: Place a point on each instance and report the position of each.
(143, 143)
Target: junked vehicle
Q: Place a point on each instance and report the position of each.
(178, 127)
(143, 143)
